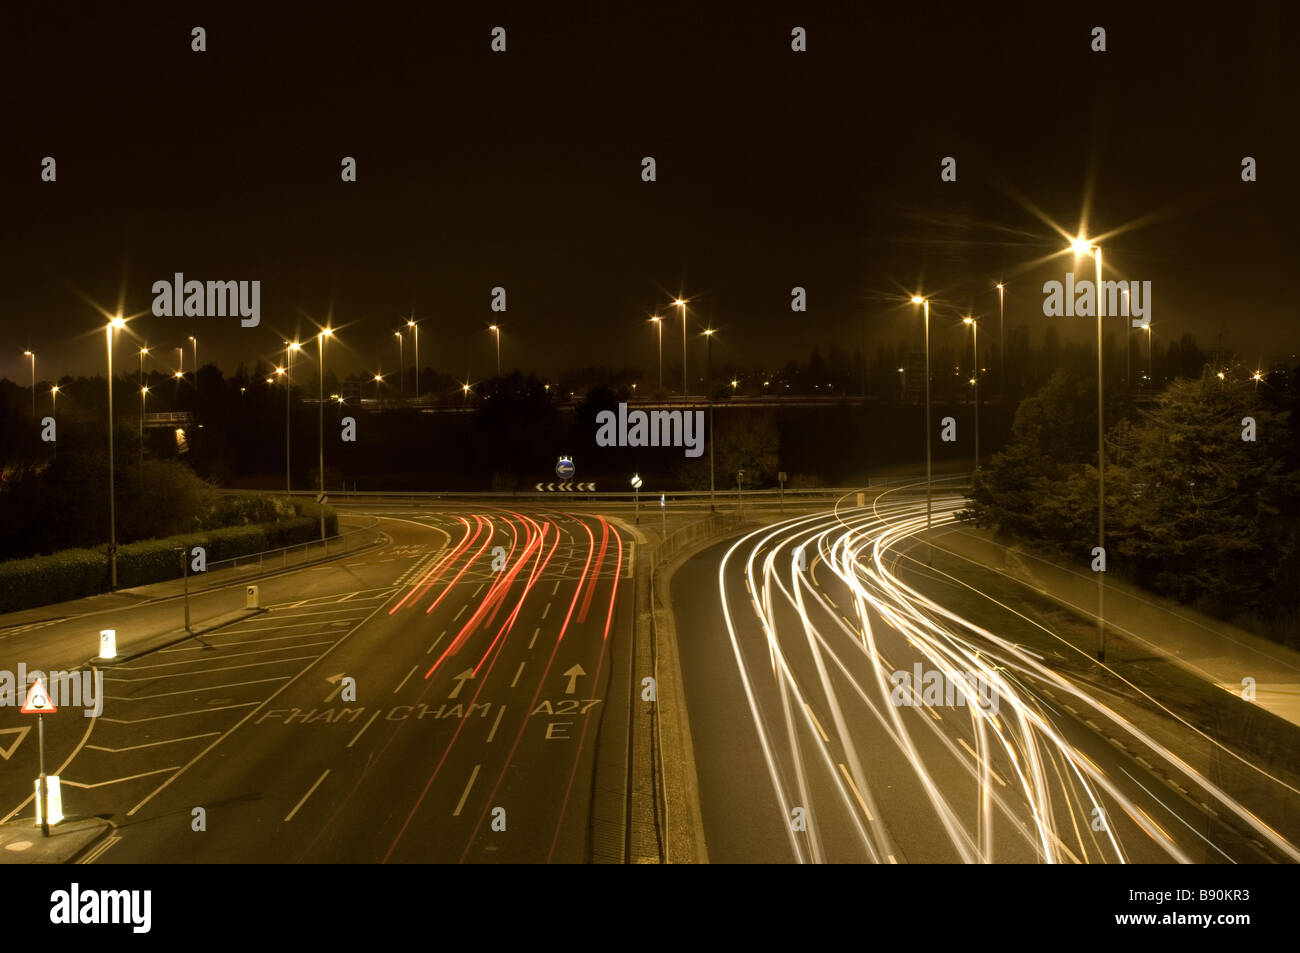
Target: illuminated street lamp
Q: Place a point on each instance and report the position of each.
(1002, 341)
(659, 326)
(708, 386)
(54, 393)
(681, 303)
(415, 330)
(379, 379)
(975, 380)
(929, 483)
(32, 355)
(320, 353)
(401, 368)
(1150, 381)
(1081, 246)
(290, 347)
(195, 342)
(497, 331)
(144, 392)
(115, 324)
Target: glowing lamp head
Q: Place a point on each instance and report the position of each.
(295, 346)
(999, 286)
(119, 322)
(656, 319)
(917, 299)
(378, 377)
(327, 332)
(1081, 246)
(55, 389)
(1219, 375)
(968, 320)
(143, 390)
(410, 324)
(178, 375)
(679, 302)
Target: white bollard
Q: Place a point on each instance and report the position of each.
(53, 796)
(108, 643)
(251, 598)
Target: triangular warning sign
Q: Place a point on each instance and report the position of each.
(38, 700)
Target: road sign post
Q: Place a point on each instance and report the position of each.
(185, 574)
(663, 515)
(38, 703)
(636, 496)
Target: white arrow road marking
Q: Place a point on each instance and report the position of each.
(21, 732)
(572, 675)
(337, 682)
(460, 681)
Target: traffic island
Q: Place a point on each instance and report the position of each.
(21, 841)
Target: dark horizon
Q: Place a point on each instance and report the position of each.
(522, 170)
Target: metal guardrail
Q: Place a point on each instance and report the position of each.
(274, 560)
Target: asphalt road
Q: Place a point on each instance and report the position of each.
(434, 700)
(809, 748)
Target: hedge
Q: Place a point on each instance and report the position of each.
(75, 573)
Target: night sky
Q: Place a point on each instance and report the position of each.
(522, 169)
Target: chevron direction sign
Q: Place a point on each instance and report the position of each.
(569, 487)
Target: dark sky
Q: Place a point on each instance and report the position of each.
(522, 169)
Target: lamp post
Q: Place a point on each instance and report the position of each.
(113, 325)
(975, 380)
(144, 392)
(681, 303)
(1081, 246)
(32, 355)
(379, 379)
(1002, 343)
(708, 387)
(195, 342)
(289, 348)
(320, 348)
(415, 330)
(497, 331)
(54, 393)
(1150, 382)
(925, 302)
(401, 366)
(659, 326)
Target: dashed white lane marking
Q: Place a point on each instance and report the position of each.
(461, 612)
(519, 672)
(856, 793)
(493, 733)
(289, 816)
(363, 730)
(403, 681)
(435, 643)
(463, 797)
(534, 638)
(546, 610)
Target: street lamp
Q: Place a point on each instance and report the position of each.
(659, 326)
(54, 393)
(114, 324)
(1002, 344)
(143, 393)
(290, 347)
(379, 379)
(708, 387)
(902, 384)
(195, 342)
(497, 331)
(320, 349)
(917, 299)
(401, 366)
(32, 355)
(1081, 246)
(975, 380)
(681, 303)
(1150, 381)
(415, 330)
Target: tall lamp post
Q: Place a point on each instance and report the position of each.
(289, 348)
(975, 380)
(32, 355)
(1002, 343)
(320, 348)
(401, 366)
(925, 302)
(54, 394)
(495, 329)
(195, 342)
(1081, 246)
(144, 392)
(681, 303)
(659, 326)
(1150, 382)
(708, 386)
(415, 330)
(113, 325)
